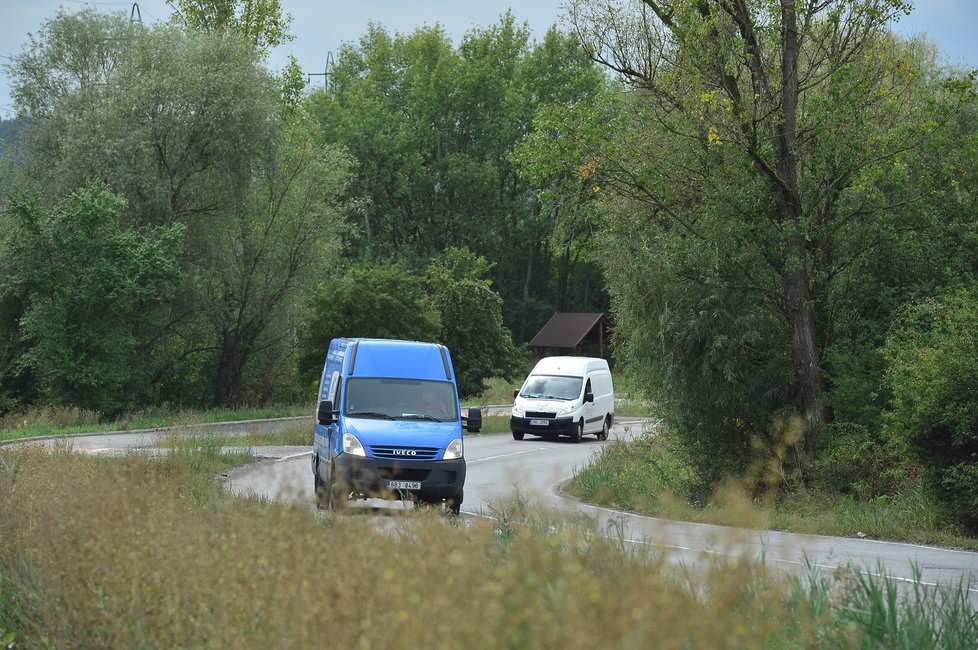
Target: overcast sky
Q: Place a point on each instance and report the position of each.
(320, 26)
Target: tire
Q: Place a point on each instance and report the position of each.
(338, 500)
(335, 498)
(605, 430)
(454, 504)
(578, 432)
(517, 436)
(319, 494)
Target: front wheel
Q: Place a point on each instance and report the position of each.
(319, 491)
(517, 436)
(578, 432)
(455, 503)
(338, 499)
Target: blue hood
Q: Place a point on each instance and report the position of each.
(422, 433)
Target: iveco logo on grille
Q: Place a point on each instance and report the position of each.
(405, 452)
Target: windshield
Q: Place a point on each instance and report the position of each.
(549, 387)
(401, 399)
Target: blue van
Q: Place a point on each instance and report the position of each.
(388, 424)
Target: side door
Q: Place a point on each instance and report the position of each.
(591, 421)
(327, 435)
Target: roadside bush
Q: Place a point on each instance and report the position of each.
(932, 370)
(853, 460)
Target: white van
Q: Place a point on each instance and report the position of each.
(570, 396)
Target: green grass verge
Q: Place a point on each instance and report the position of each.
(46, 421)
(646, 476)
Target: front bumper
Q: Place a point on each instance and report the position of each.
(439, 479)
(553, 426)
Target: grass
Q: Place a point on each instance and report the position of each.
(44, 421)
(644, 477)
(498, 391)
(298, 434)
(647, 476)
(173, 561)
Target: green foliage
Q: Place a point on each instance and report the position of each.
(472, 322)
(262, 22)
(932, 371)
(452, 304)
(757, 235)
(383, 300)
(859, 461)
(431, 127)
(191, 130)
(89, 289)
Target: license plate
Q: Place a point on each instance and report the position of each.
(539, 423)
(403, 485)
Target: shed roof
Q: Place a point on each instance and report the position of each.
(566, 330)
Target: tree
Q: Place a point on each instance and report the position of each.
(190, 129)
(472, 322)
(768, 141)
(89, 290)
(384, 300)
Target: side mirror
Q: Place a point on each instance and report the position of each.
(473, 422)
(325, 415)
(588, 397)
(516, 393)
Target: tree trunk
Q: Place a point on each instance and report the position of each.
(795, 275)
(804, 343)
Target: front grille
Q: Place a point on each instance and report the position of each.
(420, 453)
(540, 414)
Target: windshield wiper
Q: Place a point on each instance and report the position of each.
(418, 416)
(369, 414)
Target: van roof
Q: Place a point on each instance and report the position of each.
(393, 358)
(573, 366)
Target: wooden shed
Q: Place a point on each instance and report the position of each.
(579, 334)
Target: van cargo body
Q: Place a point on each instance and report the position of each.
(565, 396)
(388, 424)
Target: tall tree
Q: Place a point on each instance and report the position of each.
(791, 122)
(190, 129)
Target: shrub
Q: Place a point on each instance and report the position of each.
(856, 461)
(932, 370)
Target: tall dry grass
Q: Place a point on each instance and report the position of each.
(129, 553)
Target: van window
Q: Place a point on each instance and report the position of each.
(334, 387)
(400, 399)
(550, 387)
(602, 384)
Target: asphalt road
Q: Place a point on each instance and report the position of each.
(498, 467)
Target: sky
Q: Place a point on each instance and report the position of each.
(321, 26)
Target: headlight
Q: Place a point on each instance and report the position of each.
(567, 409)
(454, 449)
(352, 446)
(517, 411)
